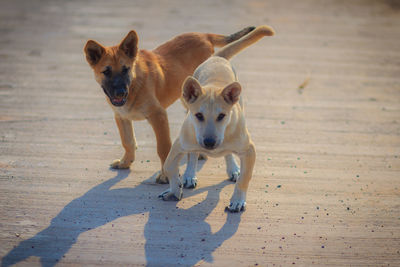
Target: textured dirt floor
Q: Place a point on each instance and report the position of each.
(322, 104)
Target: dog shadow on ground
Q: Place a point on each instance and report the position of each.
(173, 235)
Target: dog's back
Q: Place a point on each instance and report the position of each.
(216, 71)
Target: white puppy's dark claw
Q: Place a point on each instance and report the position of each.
(190, 182)
(236, 207)
(190, 185)
(234, 176)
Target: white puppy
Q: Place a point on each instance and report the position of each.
(215, 124)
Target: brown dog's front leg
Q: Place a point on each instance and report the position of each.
(128, 142)
(159, 122)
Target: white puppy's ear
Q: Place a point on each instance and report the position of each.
(231, 93)
(191, 89)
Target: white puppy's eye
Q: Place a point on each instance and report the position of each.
(199, 116)
(220, 117)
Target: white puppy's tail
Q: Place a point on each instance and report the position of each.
(235, 47)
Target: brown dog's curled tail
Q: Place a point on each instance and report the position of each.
(248, 39)
(219, 40)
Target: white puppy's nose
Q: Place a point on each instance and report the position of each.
(209, 143)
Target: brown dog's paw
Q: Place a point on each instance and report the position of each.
(120, 164)
(162, 179)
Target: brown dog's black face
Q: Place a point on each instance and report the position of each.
(116, 84)
(112, 67)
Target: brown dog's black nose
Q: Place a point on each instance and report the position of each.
(120, 93)
(209, 143)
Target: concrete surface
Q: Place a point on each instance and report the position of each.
(325, 190)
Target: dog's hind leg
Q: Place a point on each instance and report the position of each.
(232, 169)
(189, 177)
(247, 159)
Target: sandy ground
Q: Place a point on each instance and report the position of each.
(326, 185)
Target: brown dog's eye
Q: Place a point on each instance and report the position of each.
(220, 117)
(124, 70)
(199, 116)
(107, 71)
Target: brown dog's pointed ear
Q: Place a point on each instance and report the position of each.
(93, 51)
(129, 44)
(191, 89)
(231, 93)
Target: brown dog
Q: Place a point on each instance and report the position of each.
(141, 84)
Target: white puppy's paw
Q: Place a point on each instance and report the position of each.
(236, 206)
(189, 181)
(169, 195)
(238, 201)
(233, 174)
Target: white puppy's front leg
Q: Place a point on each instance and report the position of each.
(232, 169)
(238, 200)
(171, 169)
(189, 177)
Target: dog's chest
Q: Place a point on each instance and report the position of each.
(130, 113)
(214, 153)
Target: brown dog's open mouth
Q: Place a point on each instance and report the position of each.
(118, 101)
